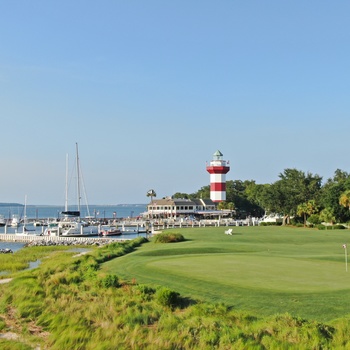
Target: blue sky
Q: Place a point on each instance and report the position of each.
(151, 89)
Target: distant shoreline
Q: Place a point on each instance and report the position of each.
(61, 205)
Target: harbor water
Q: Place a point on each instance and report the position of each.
(33, 212)
(52, 211)
(14, 246)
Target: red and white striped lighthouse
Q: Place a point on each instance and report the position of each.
(218, 169)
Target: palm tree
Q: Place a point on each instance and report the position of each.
(344, 199)
(327, 215)
(151, 193)
(302, 211)
(308, 208)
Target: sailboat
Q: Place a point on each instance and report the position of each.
(71, 225)
(25, 230)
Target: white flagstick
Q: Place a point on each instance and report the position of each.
(346, 258)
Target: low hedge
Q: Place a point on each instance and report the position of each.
(169, 237)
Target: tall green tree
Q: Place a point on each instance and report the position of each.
(294, 188)
(344, 199)
(204, 193)
(331, 193)
(237, 194)
(180, 195)
(259, 195)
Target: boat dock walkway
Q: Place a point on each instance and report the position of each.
(167, 224)
(129, 227)
(32, 238)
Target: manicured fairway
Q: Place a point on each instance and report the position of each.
(263, 270)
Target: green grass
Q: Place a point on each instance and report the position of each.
(69, 302)
(262, 270)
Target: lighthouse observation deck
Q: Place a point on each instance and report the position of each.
(218, 167)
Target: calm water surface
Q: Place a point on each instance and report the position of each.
(52, 211)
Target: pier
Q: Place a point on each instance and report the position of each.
(127, 226)
(53, 239)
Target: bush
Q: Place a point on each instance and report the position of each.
(272, 223)
(145, 290)
(169, 238)
(338, 227)
(167, 297)
(314, 219)
(110, 281)
(2, 324)
(321, 227)
(268, 223)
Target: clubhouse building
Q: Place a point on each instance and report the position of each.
(184, 208)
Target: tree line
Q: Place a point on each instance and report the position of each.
(296, 194)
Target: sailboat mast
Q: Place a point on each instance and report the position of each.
(66, 199)
(78, 177)
(25, 211)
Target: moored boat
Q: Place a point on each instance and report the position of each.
(68, 228)
(15, 220)
(71, 225)
(111, 232)
(2, 221)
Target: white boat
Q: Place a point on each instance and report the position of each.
(39, 223)
(15, 221)
(110, 231)
(71, 225)
(70, 228)
(2, 221)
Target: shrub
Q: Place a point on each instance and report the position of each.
(293, 221)
(110, 281)
(2, 324)
(169, 238)
(167, 297)
(338, 227)
(321, 227)
(314, 219)
(272, 223)
(145, 290)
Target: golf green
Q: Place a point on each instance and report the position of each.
(266, 270)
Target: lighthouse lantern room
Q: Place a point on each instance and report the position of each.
(218, 169)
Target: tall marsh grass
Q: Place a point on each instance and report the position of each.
(81, 307)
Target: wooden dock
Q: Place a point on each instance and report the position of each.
(32, 238)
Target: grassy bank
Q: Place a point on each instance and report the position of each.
(10, 263)
(146, 295)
